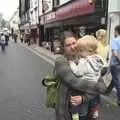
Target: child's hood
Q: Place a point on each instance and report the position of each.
(97, 63)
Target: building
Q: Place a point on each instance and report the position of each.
(34, 22)
(76, 15)
(113, 16)
(29, 20)
(24, 15)
(45, 7)
(46, 19)
(14, 21)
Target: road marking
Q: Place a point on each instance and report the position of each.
(38, 54)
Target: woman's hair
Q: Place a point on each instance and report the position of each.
(87, 45)
(101, 35)
(64, 35)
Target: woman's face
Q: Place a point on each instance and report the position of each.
(70, 45)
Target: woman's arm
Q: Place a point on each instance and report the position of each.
(64, 73)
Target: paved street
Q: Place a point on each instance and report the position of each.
(21, 95)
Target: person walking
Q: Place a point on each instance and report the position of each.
(2, 42)
(6, 38)
(115, 61)
(21, 37)
(15, 37)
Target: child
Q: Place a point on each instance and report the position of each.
(89, 68)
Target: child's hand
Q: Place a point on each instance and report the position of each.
(76, 100)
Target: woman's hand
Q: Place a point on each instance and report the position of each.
(76, 100)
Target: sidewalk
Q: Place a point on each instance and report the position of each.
(41, 50)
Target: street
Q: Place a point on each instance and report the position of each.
(22, 97)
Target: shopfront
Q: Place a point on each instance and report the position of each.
(80, 16)
(76, 15)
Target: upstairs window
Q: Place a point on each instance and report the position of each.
(56, 3)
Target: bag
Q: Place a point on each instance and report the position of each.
(104, 81)
(52, 85)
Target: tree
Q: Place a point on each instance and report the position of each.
(2, 21)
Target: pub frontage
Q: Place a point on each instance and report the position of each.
(80, 16)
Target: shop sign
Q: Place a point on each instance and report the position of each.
(50, 17)
(63, 12)
(79, 7)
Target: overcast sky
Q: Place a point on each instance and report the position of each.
(8, 7)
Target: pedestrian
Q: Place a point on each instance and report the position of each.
(6, 38)
(2, 42)
(15, 37)
(69, 82)
(52, 44)
(102, 49)
(28, 39)
(21, 37)
(115, 61)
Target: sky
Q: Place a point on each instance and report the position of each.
(8, 7)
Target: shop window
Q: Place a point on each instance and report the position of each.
(56, 34)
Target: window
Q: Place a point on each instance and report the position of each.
(56, 3)
(31, 4)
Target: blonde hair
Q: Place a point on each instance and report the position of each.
(101, 35)
(87, 45)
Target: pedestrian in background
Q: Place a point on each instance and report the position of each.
(21, 37)
(102, 49)
(15, 37)
(6, 38)
(115, 61)
(52, 44)
(2, 42)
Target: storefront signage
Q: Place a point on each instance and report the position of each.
(50, 16)
(79, 7)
